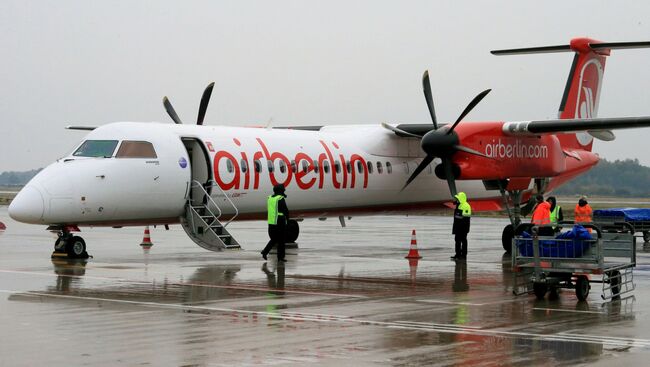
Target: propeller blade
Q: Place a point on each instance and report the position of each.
(203, 107)
(396, 130)
(470, 151)
(449, 173)
(469, 108)
(426, 86)
(425, 162)
(170, 111)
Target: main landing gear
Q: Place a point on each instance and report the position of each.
(67, 245)
(515, 212)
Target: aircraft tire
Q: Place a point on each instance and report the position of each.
(506, 238)
(293, 230)
(60, 244)
(76, 248)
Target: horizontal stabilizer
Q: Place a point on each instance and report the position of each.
(567, 48)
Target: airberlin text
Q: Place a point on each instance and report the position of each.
(304, 170)
(516, 149)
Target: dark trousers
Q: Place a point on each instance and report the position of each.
(461, 244)
(276, 235)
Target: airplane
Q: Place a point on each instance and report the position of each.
(204, 177)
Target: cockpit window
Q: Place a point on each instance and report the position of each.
(96, 148)
(136, 149)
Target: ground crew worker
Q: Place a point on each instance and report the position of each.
(542, 216)
(278, 216)
(556, 212)
(460, 229)
(582, 212)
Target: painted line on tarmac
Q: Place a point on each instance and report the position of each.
(439, 328)
(565, 310)
(450, 302)
(243, 288)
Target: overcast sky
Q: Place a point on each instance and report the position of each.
(300, 62)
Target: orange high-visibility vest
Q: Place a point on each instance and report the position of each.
(582, 214)
(542, 214)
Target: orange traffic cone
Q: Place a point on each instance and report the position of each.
(413, 252)
(146, 240)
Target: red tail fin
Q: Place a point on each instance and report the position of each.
(582, 91)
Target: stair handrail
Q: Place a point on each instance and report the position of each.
(206, 195)
(214, 184)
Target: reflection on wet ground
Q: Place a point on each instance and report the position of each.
(347, 296)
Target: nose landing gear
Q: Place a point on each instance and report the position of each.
(67, 245)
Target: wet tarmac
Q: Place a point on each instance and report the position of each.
(346, 297)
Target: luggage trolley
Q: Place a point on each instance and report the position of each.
(639, 218)
(545, 263)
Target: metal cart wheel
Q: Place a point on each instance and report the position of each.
(582, 287)
(540, 290)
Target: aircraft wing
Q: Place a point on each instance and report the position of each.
(573, 125)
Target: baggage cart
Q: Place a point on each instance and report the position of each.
(543, 264)
(638, 218)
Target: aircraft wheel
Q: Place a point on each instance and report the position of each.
(506, 237)
(293, 230)
(540, 290)
(76, 248)
(582, 287)
(59, 245)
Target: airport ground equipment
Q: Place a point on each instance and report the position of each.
(638, 218)
(544, 264)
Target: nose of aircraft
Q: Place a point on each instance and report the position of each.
(27, 206)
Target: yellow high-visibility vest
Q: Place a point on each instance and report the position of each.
(272, 208)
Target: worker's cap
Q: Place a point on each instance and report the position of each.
(539, 198)
(278, 189)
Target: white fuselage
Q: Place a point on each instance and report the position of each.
(115, 190)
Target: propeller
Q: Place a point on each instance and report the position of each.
(443, 142)
(203, 106)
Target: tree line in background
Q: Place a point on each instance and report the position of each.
(626, 178)
(12, 178)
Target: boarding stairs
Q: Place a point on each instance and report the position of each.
(204, 220)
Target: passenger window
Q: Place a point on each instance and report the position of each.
(305, 166)
(316, 168)
(229, 166)
(369, 167)
(136, 149)
(96, 148)
(348, 167)
(269, 164)
(326, 166)
(380, 169)
(389, 168)
(258, 165)
(293, 167)
(337, 166)
(283, 166)
(244, 166)
(359, 166)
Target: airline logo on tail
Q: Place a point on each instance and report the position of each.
(588, 95)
